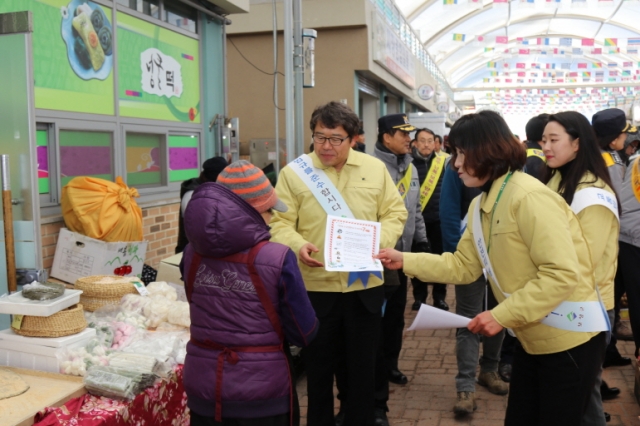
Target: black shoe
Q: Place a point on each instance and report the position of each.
(441, 304)
(339, 419)
(380, 417)
(505, 372)
(616, 360)
(608, 393)
(416, 305)
(607, 417)
(396, 376)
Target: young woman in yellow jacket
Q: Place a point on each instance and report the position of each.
(577, 171)
(530, 243)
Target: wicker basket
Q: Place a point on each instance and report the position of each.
(96, 295)
(64, 323)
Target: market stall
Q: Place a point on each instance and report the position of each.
(119, 341)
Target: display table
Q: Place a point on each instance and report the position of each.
(163, 404)
(45, 389)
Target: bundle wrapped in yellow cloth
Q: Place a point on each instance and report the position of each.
(102, 209)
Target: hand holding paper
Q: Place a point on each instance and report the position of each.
(430, 318)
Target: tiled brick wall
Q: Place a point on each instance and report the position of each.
(160, 228)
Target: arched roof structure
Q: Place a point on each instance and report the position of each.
(526, 49)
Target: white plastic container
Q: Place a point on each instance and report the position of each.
(38, 353)
(17, 304)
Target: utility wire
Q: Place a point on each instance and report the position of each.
(274, 74)
(251, 63)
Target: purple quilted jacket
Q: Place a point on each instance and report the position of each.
(230, 329)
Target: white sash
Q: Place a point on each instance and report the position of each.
(321, 187)
(594, 196)
(571, 316)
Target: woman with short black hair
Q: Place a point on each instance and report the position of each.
(530, 244)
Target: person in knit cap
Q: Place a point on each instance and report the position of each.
(247, 304)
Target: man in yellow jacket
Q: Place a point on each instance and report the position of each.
(349, 313)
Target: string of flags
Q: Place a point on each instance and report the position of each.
(609, 45)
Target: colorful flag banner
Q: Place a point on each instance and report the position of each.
(522, 74)
(613, 73)
(577, 51)
(586, 74)
(458, 37)
(613, 50)
(520, 65)
(596, 65)
(633, 41)
(536, 66)
(596, 51)
(599, 73)
(582, 65)
(632, 50)
(449, 2)
(565, 41)
(491, 64)
(610, 41)
(612, 65)
(627, 65)
(565, 66)
(524, 51)
(588, 42)
(543, 41)
(502, 39)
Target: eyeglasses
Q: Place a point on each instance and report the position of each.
(335, 141)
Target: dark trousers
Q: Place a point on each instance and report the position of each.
(390, 338)
(420, 292)
(553, 389)
(279, 420)
(628, 280)
(349, 331)
(508, 348)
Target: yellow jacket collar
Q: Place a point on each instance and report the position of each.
(489, 200)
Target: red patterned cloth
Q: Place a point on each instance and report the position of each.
(163, 404)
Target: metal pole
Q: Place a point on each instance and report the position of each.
(299, 75)
(289, 80)
(8, 225)
(275, 85)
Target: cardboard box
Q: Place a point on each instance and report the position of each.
(169, 270)
(79, 256)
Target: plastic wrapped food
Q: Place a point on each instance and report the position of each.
(124, 335)
(160, 289)
(134, 303)
(157, 311)
(39, 291)
(117, 382)
(137, 320)
(179, 314)
(76, 361)
(165, 347)
(84, 27)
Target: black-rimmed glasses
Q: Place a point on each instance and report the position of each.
(333, 140)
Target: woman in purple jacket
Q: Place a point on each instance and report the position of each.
(247, 302)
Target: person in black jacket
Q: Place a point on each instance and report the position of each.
(211, 168)
(536, 161)
(430, 172)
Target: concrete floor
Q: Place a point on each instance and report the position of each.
(428, 359)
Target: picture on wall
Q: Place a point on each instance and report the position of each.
(88, 34)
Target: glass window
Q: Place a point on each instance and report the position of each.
(180, 15)
(148, 7)
(42, 153)
(144, 159)
(183, 157)
(85, 154)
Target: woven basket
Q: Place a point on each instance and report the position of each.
(64, 323)
(96, 295)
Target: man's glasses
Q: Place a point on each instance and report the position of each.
(335, 141)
